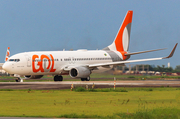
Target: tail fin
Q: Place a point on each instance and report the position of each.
(7, 54)
(121, 42)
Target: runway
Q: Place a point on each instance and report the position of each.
(98, 84)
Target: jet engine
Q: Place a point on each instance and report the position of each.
(33, 76)
(79, 72)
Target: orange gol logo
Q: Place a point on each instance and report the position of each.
(44, 64)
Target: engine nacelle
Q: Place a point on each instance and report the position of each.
(33, 76)
(79, 72)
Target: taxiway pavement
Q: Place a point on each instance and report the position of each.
(98, 84)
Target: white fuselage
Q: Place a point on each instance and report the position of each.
(53, 62)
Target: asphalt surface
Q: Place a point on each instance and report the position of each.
(98, 84)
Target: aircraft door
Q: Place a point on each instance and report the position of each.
(73, 60)
(28, 59)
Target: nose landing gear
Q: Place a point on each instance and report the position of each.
(19, 80)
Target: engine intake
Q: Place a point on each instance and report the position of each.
(79, 72)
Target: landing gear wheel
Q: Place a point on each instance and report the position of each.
(85, 79)
(17, 80)
(58, 78)
(88, 78)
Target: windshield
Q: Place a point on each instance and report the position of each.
(14, 60)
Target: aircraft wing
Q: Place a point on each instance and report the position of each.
(130, 61)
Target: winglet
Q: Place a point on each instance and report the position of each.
(172, 52)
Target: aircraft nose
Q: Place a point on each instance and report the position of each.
(6, 67)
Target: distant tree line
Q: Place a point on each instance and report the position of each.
(151, 68)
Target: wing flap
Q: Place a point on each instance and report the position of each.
(123, 62)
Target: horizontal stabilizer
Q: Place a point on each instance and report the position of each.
(127, 54)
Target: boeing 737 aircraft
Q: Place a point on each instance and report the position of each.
(77, 64)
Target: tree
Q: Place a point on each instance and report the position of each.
(177, 67)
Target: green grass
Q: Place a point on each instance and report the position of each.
(102, 103)
(158, 113)
(83, 89)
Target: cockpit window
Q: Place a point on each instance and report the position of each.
(14, 60)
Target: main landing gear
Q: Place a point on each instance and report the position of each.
(85, 79)
(58, 78)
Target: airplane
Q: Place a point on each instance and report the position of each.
(7, 54)
(6, 58)
(77, 64)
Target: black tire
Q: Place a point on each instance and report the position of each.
(17, 80)
(85, 79)
(58, 78)
(88, 78)
(55, 78)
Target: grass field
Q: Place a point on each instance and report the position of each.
(99, 103)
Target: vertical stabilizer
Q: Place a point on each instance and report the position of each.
(121, 42)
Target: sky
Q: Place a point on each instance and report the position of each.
(43, 25)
